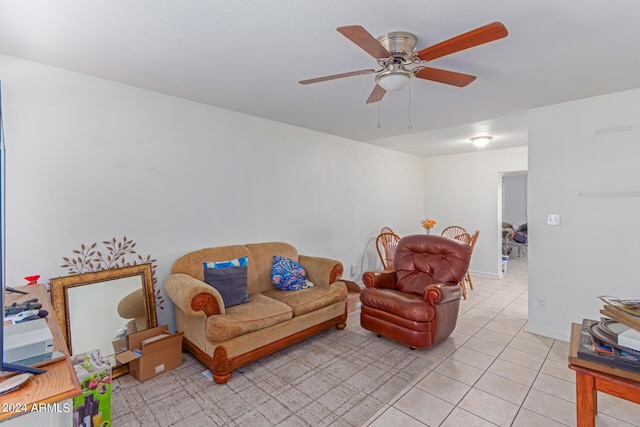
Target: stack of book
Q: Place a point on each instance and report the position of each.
(598, 344)
(614, 340)
(627, 313)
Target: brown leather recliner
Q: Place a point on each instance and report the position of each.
(417, 303)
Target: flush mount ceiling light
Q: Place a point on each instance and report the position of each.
(481, 141)
(393, 80)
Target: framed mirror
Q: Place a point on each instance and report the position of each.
(95, 309)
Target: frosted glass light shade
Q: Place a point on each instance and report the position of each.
(481, 141)
(393, 82)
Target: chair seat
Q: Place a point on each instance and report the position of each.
(403, 304)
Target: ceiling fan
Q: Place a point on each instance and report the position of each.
(395, 52)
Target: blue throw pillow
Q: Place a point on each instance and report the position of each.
(288, 275)
(238, 262)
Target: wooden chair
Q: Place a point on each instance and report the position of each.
(463, 237)
(386, 244)
(387, 230)
(452, 231)
(474, 239)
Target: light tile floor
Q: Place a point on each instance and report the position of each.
(491, 371)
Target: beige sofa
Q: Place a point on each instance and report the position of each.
(226, 338)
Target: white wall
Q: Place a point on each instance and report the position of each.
(90, 159)
(583, 158)
(514, 198)
(466, 190)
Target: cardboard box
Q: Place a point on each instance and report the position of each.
(152, 352)
(93, 406)
(353, 295)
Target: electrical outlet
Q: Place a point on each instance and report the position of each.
(541, 303)
(358, 305)
(553, 219)
(354, 270)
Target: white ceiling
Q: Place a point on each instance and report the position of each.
(248, 57)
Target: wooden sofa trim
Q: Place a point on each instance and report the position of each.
(205, 302)
(336, 273)
(222, 367)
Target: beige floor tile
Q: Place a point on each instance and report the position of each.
(546, 341)
(502, 387)
(527, 418)
(561, 345)
(513, 372)
(493, 336)
(484, 346)
(558, 354)
(530, 347)
(473, 358)
(489, 407)
(424, 407)
(559, 410)
(444, 387)
(503, 328)
(559, 369)
(467, 328)
(556, 386)
(459, 371)
(445, 348)
(459, 417)
(603, 420)
(619, 408)
(522, 358)
(395, 417)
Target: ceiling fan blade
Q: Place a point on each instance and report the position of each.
(335, 76)
(444, 76)
(376, 95)
(481, 35)
(364, 40)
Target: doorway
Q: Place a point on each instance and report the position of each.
(514, 212)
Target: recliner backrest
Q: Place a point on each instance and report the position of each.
(422, 260)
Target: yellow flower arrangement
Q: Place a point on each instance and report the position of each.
(428, 223)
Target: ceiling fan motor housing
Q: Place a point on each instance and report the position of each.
(401, 44)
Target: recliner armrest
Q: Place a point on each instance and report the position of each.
(380, 279)
(440, 293)
(321, 271)
(192, 296)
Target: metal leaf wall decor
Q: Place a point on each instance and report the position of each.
(115, 254)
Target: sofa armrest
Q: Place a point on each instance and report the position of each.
(321, 271)
(380, 279)
(193, 296)
(440, 293)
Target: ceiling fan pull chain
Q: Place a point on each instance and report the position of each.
(410, 126)
(379, 102)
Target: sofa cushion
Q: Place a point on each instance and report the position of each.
(230, 282)
(405, 305)
(288, 275)
(259, 313)
(307, 300)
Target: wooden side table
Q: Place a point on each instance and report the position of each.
(47, 398)
(592, 377)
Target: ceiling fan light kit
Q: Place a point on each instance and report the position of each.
(481, 141)
(393, 80)
(396, 51)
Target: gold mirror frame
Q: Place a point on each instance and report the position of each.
(61, 286)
